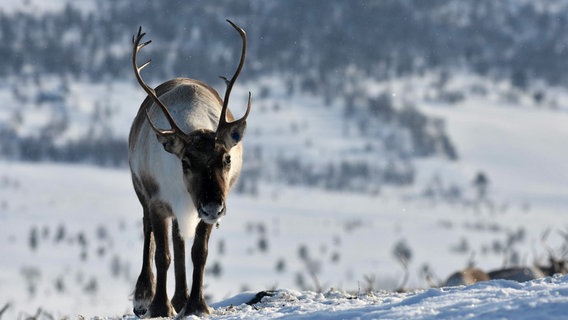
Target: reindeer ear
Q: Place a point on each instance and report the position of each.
(232, 134)
(172, 144)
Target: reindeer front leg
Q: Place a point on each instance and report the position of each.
(145, 285)
(196, 304)
(161, 306)
(181, 294)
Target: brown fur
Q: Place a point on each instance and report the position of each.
(466, 277)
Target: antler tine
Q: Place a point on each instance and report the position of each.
(244, 118)
(151, 92)
(231, 82)
(225, 79)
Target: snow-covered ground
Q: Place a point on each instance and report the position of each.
(498, 299)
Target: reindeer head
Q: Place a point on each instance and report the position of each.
(205, 155)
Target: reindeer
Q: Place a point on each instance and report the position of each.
(520, 274)
(181, 175)
(523, 274)
(466, 277)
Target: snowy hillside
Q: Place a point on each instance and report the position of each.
(73, 232)
(389, 145)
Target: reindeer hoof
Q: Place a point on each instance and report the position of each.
(141, 307)
(196, 308)
(160, 309)
(144, 294)
(140, 312)
(179, 301)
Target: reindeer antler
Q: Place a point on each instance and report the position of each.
(151, 92)
(223, 119)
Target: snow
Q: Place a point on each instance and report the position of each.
(87, 220)
(520, 148)
(498, 299)
(523, 155)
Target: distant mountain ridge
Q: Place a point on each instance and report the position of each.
(318, 41)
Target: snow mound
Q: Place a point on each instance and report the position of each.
(498, 299)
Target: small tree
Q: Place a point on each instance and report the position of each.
(403, 254)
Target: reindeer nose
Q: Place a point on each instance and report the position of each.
(212, 210)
